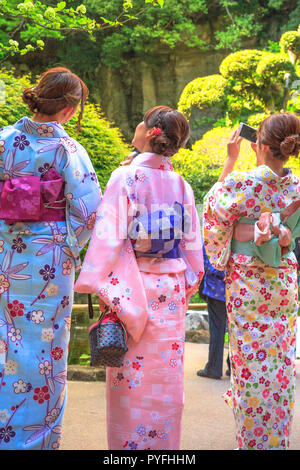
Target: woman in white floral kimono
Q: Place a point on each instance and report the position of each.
(250, 222)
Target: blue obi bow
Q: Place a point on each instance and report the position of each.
(158, 234)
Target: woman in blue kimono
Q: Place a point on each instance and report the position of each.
(49, 195)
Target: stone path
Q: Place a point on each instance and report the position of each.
(207, 422)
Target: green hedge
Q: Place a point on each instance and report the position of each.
(202, 165)
(103, 143)
(203, 92)
(290, 44)
(250, 81)
(13, 108)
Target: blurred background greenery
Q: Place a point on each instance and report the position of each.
(218, 61)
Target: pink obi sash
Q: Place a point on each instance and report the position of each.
(33, 198)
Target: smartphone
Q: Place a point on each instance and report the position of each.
(247, 132)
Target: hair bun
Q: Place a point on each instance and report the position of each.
(30, 98)
(162, 145)
(290, 145)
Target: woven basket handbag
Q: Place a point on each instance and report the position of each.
(108, 341)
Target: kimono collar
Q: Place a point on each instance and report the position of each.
(153, 160)
(265, 173)
(40, 129)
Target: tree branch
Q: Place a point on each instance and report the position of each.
(229, 14)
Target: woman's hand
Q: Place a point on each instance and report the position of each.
(128, 160)
(102, 306)
(233, 150)
(130, 157)
(233, 146)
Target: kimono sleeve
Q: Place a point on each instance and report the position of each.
(110, 268)
(220, 213)
(83, 195)
(191, 245)
(109, 235)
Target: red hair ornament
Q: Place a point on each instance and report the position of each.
(156, 131)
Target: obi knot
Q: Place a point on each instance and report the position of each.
(32, 198)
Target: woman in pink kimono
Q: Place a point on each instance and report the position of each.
(145, 261)
(250, 222)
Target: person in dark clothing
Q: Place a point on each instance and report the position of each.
(212, 290)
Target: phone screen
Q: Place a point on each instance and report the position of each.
(247, 132)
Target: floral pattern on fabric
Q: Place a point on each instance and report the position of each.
(37, 267)
(150, 296)
(148, 388)
(147, 437)
(262, 306)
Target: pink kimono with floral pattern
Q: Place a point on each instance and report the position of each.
(145, 261)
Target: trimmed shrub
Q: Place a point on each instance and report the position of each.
(202, 165)
(241, 65)
(256, 79)
(203, 92)
(250, 82)
(103, 143)
(255, 119)
(290, 44)
(13, 108)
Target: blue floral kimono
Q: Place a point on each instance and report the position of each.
(49, 195)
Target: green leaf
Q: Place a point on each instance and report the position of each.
(81, 9)
(50, 13)
(127, 5)
(60, 6)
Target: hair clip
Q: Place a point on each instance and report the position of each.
(156, 131)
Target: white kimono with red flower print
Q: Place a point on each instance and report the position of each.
(147, 275)
(262, 306)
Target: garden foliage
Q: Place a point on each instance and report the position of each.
(250, 82)
(103, 142)
(25, 25)
(251, 85)
(201, 166)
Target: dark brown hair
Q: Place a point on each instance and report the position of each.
(58, 88)
(174, 127)
(281, 132)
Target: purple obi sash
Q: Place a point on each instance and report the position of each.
(33, 198)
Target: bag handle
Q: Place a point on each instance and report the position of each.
(91, 313)
(90, 305)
